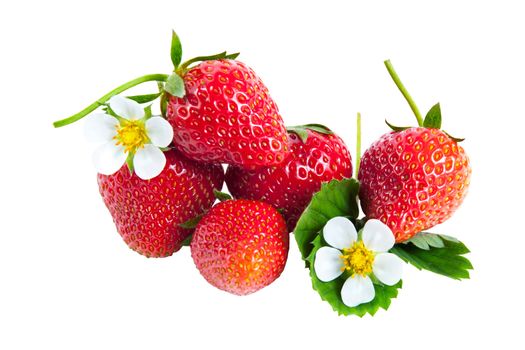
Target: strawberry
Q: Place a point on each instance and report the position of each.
(413, 180)
(240, 246)
(227, 116)
(317, 156)
(415, 177)
(148, 213)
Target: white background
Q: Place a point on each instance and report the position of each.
(67, 281)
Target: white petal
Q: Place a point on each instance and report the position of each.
(149, 162)
(378, 236)
(339, 232)
(159, 131)
(109, 158)
(328, 264)
(100, 127)
(357, 290)
(126, 108)
(388, 268)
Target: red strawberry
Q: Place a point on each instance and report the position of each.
(413, 180)
(227, 116)
(317, 156)
(148, 213)
(240, 246)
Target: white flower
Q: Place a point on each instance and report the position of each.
(131, 135)
(358, 259)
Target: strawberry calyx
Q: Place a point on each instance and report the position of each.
(171, 83)
(301, 130)
(193, 222)
(175, 82)
(432, 119)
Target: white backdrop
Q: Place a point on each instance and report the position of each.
(67, 281)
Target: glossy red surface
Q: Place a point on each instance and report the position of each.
(241, 246)
(413, 180)
(291, 185)
(147, 213)
(227, 116)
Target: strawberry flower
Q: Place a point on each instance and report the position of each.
(131, 136)
(361, 259)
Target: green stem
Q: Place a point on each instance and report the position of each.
(404, 91)
(106, 97)
(358, 146)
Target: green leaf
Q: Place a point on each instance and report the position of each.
(175, 86)
(144, 98)
(433, 117)
(425, 240)
(221, 195)
(336, 198)
(331, 291)
(447, 260)
(320, 128)
(192, 223)
(176, 50)
(396, 128)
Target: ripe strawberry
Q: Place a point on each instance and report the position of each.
(240, 246)
(148, 213)
(227, 116)
(317, 156)
(413, 178)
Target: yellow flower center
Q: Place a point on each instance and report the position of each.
(131, 134)
(358, 259)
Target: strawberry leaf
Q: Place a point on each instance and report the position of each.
(433, 117)
(176, 49)
(456, 139)
(331, 291)
(175, 86)
(300, 130)
(336, 198)
(447, 260)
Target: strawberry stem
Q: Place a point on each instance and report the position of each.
(404, 91)
(106, 97)
(358, 146)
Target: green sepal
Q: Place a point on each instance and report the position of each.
(187, 241)
(163, 103)
(456, 139)
(396, 128)
(176, 50)
(222, 196)
(147, 112)
(447, 260)
(175, 86)
(433, 117)
(144, 98)
(336, 198)
(232, 56)
(300, 130)
(192, 223)
(331, 291)
(129, 163)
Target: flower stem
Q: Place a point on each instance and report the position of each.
(404, 91)
(106, 97)
(358, 146)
